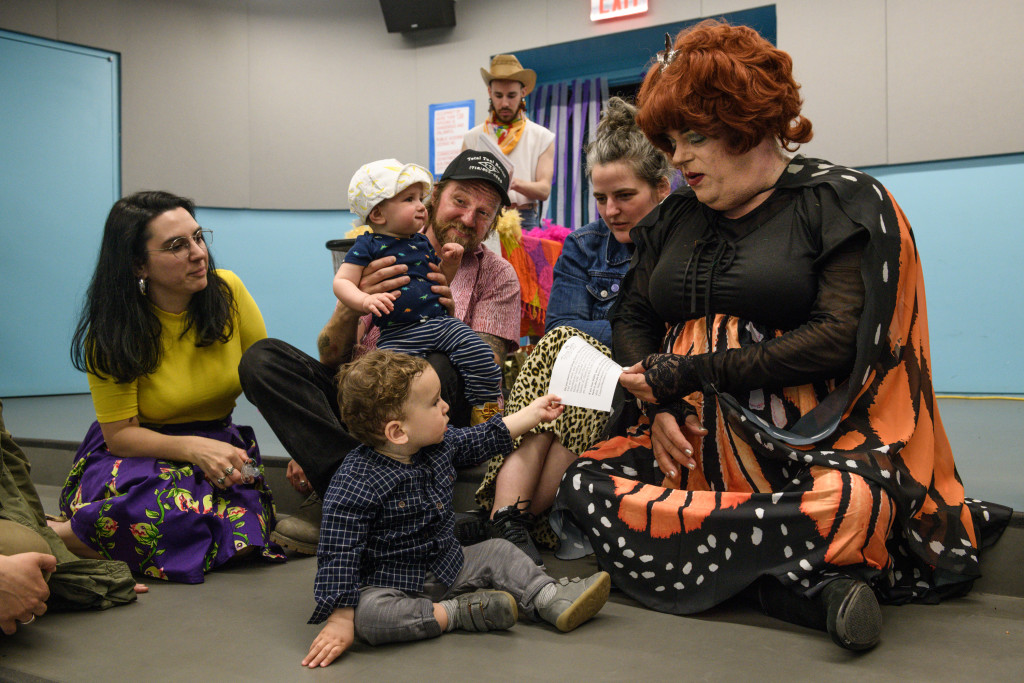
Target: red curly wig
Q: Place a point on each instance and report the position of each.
(727, 82)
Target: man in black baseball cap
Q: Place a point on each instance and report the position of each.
(474, 165)
(295, 392)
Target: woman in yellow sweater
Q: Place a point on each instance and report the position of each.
(163, 479)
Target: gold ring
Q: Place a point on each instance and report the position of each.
(229, 470)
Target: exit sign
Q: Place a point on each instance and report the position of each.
(610, 9)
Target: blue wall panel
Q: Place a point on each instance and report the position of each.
(60, 170)
(282, 259)
(967, 216)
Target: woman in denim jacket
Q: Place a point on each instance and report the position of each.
(586, 279)
(629, 177)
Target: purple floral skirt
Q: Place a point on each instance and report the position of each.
(164, 518)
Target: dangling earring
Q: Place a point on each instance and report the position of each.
(142, 286)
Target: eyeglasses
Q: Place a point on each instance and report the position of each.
(180, 247)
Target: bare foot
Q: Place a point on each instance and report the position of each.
(74, 543)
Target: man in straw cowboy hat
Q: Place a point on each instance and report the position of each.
(530, 147)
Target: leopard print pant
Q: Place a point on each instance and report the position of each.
(576, 428)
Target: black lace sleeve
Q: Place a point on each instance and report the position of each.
(637, 330)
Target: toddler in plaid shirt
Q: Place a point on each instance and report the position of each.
(389, 567)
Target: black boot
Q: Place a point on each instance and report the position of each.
(845, 607)
(853, 617)
(472, 527)
(512, 523)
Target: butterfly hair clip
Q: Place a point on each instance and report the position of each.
(666, 56)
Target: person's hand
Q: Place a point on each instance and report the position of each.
(673, 445)
(220, 461)
(635, 382)
(297, 478)
(441, 288)
(381, 303)
(334, 638)
(546, 408)
(382, 275)
(451, 254)
(23, 589)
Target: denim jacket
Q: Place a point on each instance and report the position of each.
(586, 281)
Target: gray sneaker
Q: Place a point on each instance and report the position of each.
(576, 600)
(301, 531)
(486, 611)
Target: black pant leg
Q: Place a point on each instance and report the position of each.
(298, 397)
(459, 409)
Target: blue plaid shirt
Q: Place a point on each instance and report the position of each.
(386, 523)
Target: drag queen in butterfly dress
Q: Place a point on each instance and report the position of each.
(774, 318)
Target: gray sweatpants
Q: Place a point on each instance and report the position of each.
(388, 615)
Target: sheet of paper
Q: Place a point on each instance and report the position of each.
(583, 376)
(489, 144)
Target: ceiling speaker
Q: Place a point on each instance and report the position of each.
(403, 16)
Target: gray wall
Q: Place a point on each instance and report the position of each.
(273, 103)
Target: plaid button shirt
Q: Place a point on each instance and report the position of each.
(386, 523)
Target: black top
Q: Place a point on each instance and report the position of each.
(791, 267)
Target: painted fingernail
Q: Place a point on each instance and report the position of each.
(690, 465)
(671, 474)
(688, 452)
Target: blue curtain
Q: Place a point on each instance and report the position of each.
(571, 109)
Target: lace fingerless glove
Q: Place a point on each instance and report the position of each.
(671, 376)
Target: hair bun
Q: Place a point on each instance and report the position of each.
(618, 114)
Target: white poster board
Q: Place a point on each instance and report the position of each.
(449, 122)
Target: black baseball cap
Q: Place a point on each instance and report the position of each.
(474, 165)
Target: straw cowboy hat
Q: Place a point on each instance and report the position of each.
(508, 68)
